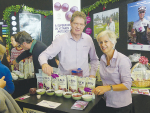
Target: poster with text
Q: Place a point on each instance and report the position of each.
(31, 23)
(62, 13)
(138, 25)
(106, 20)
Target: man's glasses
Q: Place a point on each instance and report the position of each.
(142, 11)
(77, 24)
(19, 45)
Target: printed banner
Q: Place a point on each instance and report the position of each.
(106, 20)
(138, 29)
(62, 13)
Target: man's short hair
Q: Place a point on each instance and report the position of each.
(78, 14)
(23, 36)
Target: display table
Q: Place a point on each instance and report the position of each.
(65, 106)
(140, 103)
(22, 86)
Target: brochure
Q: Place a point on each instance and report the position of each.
(79, 105)
(48, 104)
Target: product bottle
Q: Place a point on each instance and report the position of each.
(80, 72)
(74, 72)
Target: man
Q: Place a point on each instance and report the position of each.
(73, 49)
(140, 27)
(31, 47)
(112, 25)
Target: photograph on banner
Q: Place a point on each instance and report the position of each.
(138, 25)
(106, 20)
(62, 13)
(31, 23)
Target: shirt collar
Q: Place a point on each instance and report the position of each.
(33, 43)
(114, 56)
(70, 36)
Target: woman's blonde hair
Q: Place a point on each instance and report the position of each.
(111, 36)
(2, 51)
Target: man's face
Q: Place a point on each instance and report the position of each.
(110, 20)
(77, 26)
(23, 45)
(141, 14)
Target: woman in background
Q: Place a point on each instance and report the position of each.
(4, 61)
(15, 52)
(4, 71)
(115, 74)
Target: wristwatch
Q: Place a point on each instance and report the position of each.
(111, 87)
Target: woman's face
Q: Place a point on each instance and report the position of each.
(13, 42)
(106, 45)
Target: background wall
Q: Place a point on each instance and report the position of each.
(47, 5)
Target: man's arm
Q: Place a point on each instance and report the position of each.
(94, 61)
(49, 53)
(23, 55)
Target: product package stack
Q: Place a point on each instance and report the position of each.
(67, 83)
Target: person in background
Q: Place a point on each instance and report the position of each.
(73, 49)
(7, 103)
(31, 47)
(4, 71)
(115, 74)
(2, 82)
(141, 27)
(15, 52)
(107, 27)
(112, 25)
(4, 61)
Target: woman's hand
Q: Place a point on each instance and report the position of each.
(92, 76)
(100, 90)
(8, 58)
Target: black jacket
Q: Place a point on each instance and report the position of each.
(38, 48)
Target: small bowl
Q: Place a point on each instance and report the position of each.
(40, 91)
(50, 92)
(76, 96)
(67, 94)
(87, 97)
(15, 77)
(32, 91)
(21, 75)
(59, 93)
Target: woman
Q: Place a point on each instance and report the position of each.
(4, 71)
(115, 74)
(5, 62)
(15, 52)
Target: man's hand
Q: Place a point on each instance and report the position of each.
(2, 82)
(47, 69)
(14, 62)
(92, 76)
